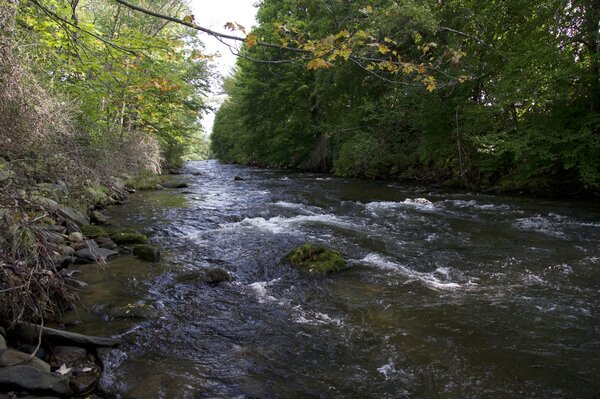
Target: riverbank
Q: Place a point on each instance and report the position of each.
(49, 235)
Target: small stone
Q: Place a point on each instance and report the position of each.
(86, 382)
(147, 252)
(216, 276)
(11, 357)
(128, 237)
(33, 380)
(66, 250)
(76, 237)
(109, 245)
(97, 217)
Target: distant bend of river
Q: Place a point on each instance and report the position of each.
(460, 296)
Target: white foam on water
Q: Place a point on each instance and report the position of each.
(539, 224)
(301, 316)
(477, 205)
(430, 280)
(418, 203)
(260, 289)
(279, 224)
(388, 369)
(295, 206)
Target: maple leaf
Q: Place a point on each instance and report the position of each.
(63, 370)
(251, 40)
(319, 63)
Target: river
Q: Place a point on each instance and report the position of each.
(460, 296)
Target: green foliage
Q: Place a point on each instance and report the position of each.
(501, 94)
(145, 77)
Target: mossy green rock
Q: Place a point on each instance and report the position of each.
(147, 252)
(91, 231)
(316, 259)
(128, 237)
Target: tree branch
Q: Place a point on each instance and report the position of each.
(211, 32)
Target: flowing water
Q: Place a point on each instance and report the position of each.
(459, 296)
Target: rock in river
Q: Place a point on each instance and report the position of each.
(33, 380)
(147, 252)
(11, 357)
(316, 259)
(216, 276)
(128, 237)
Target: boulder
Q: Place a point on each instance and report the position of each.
(66, 250)
(72, 215)
(40, 353)
(76, 237)
(47, 204)
(33, 380)
(92, 231)
(51, 236)
(216, 276)
(11, 357)
(2, 343)
(174, 184)
(128, 237)
(133, 311)
(71, 356)
(97, 217)
(316, 259)
(28, 332)
(96, 254)
(147, 252)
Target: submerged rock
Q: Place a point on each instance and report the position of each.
(33, 380)
(97, 217)
(316, 259)
(133, 311)
(238, 178)
(128, 237)
(11, 357)
(147, 252)
(71, 356)
(174, 184)
(216, 276)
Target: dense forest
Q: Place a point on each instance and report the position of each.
(500, 95)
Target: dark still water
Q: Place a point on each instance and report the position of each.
(448, 295)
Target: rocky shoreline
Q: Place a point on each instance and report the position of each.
(42, 362)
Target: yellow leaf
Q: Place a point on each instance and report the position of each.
(251, 40)
(383, 49)
(318, 63)
(188, 19)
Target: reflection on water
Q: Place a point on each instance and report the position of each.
(449, 295)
